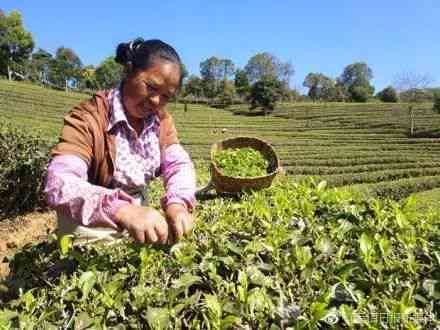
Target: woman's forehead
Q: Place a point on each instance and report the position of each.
(162, 73)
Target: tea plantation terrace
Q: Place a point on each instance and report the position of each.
(366, 145)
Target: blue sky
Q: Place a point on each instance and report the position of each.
(317, 36)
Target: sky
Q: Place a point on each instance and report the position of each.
(324, 36)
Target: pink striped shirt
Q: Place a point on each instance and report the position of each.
(138, 161)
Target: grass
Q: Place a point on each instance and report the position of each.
(428, 200)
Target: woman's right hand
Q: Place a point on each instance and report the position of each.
(145, 224)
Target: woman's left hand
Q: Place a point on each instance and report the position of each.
(181, 221)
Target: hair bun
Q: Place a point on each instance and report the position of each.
(123, 53)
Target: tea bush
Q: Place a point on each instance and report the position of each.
(23, 160)
(293, 255)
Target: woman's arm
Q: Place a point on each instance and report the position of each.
(180, 185)
(68, 191)
(179, 177)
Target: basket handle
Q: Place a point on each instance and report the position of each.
(201, 192)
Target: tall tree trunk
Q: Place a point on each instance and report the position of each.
(66, 86)
(411, 115)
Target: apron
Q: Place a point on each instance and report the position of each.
(85, 235)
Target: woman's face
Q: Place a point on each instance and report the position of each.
(147, 91)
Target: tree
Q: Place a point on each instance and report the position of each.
(285, 72)
(66, 67)
(268, 65)
(436, 106)
(265, 93)
(39, 66)
(388, 94)
(241, 83)
(16, 44)
(88, 78)
(108, 73)
(262, 65)
(356, 79)
(360, 93)
(319, 85)
(411, 86)
(212, 71)
(193, 87)
(226, 98)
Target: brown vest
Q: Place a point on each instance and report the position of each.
(85, 135)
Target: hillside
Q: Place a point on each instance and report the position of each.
(346, 144)
(290, 256)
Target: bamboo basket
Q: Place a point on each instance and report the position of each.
(228, 184)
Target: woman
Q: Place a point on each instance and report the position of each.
(114, 144)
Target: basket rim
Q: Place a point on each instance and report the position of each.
(215, 144)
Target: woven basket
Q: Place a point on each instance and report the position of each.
(228, 184)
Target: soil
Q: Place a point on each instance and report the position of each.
(21, 231)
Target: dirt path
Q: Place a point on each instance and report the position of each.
(18, 232)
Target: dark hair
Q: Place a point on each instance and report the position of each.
(142, 53)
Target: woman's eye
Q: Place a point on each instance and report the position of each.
(151, 88)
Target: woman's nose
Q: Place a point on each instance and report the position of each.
(155, 100)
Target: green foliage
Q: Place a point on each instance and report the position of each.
(320, 86)
(388, 94)
(241, 82)
(416, 95)
(242, 162)
(265, 93)
(214, 70)
(356, 74)
(108, 73)
(88, 78)
(66, 67)
(39, 66)
(193, 87)
(356, 79)
(360, 93)
(436, 106)
(23, 160)
(293, 255)
(261, 65)
(226, 93)
(16, 43)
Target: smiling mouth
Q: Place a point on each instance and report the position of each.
(146, 109)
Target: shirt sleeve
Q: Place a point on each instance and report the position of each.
(68, 191)
(179, 177)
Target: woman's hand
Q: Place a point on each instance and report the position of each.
(180, 220)
(144, 224)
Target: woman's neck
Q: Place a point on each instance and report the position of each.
(136, 123)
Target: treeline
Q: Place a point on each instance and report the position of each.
(262, 82)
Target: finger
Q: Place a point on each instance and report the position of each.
(187, 224)
(190, 224)
(139, 236)
(162, 232)
(151, 235)
(177, 228)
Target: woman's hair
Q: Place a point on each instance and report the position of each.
(143, 53)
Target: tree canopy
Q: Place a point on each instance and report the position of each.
(16, 44)
(356, 79)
